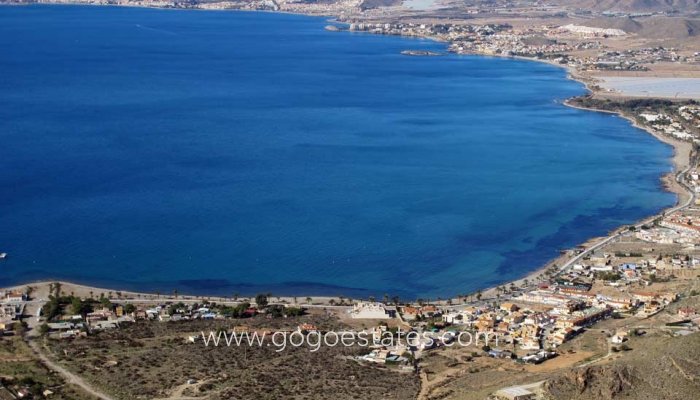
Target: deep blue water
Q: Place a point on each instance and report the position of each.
(221, 152)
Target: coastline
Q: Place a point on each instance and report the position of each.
(680, 162)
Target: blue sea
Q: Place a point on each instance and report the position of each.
(242, 152)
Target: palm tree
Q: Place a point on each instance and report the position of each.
(57, 288)
(478, 295)
(308, 300)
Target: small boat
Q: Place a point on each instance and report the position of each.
(3, 256)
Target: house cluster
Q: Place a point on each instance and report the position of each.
(80, 325)
(325, 8)
(421, 338)
(182, 312)
(446, 32)
(663, 235)
(112, 317)
(512, 44)
(11, 308)
(665, 124)
(680, 222)
(690, 114)
(587, 31)
(257, 5)
(416, 313)
(682, 123)
(297, 6)
(682, 227)
(493, 39)
(632, 60)
(554, 313)
(644, 270)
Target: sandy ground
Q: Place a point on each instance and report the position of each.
(41, 291)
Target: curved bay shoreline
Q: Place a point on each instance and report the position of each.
(681, 163)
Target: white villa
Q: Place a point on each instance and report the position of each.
(367, 310)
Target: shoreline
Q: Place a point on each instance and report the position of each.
(680, 162)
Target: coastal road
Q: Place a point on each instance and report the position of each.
(67, 375)
(607, 240)
(163, 300)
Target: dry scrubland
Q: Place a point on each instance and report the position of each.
(153, 360)
(19, 365)
(655, 368)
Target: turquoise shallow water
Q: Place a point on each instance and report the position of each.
(222, 152)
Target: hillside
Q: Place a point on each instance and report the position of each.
(673, 374)
(682, 6)
(651, 27)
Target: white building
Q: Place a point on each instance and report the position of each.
(367, 310)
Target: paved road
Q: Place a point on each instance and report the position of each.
(611, 238)
(599, 244)
(69, 376)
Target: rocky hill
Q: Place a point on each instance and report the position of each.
(682, 6)
(656, 368)
(651, 27)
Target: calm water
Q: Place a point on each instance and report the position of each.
(226, 152)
